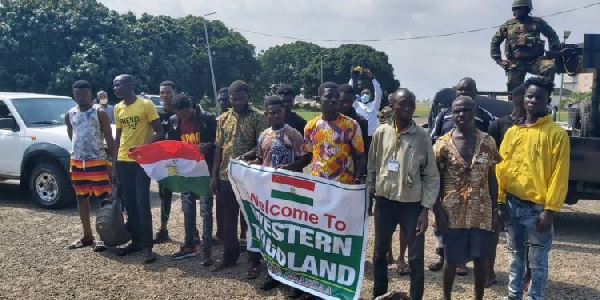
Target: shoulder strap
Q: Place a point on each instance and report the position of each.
(536, 20)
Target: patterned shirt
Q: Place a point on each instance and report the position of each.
(238, 134)
(466, 193)
(280, 147)
(334, 145)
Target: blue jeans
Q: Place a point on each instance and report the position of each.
(188, 205)
(522, 236)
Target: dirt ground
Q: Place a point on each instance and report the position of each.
(35, 263)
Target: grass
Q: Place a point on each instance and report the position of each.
(307, 115)
(421, 111)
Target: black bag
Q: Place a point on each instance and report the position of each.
(110, 224)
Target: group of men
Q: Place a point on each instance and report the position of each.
(473, 188)
(478, 174)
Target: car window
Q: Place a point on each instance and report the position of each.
(43, 112)
(155, 100)
(4, 112)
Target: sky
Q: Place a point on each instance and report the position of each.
(424, 65)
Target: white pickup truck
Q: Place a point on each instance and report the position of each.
(35, 147)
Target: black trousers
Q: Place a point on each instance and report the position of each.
(388, 215)
(231, 211)
(166, 198)
(219, 216)
(134, 185)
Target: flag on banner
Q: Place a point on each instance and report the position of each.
(178, 166)
(292, 189)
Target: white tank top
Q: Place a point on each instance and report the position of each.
(87, 135)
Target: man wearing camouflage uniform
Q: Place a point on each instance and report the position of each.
(524, 48)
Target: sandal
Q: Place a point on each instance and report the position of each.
(80, 244)
(252, 272)
(436, 265)
(403, 269)
(99, 246)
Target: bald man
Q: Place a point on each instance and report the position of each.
(103, 103)
(466, 212)
(443, 124)
(403, 176)
(444, 121)
(137, 124)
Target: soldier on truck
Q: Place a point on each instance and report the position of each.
(524, 48)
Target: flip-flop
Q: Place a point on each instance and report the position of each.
(99, 246)
(252, 273)
(80, 244)
(436, 265)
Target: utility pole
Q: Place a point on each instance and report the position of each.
(210, 62)
(566, 35)
(322, 67)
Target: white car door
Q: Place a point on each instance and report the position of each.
(11, 144)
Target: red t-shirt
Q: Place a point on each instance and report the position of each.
(189, 132)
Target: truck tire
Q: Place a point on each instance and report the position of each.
(585, 118)
(50, 186)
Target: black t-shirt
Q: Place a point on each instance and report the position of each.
(362, 123)
(444, 122)
(499, 127)
(164, 117)
(295, 121)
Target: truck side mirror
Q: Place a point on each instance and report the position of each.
(9, 124)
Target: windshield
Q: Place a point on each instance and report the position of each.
(41, 112)
(155, 100)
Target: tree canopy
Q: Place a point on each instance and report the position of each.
(299, 64)
(46, 45)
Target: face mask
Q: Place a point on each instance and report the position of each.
(103, 101)
(365, 98)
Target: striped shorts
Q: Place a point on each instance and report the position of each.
(91, 178)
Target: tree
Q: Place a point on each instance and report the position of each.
(100, 58)
(285, 63)
(577, 97)
(299, 64)
(45, 45)
(233, 57)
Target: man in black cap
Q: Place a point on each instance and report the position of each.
(287, 94)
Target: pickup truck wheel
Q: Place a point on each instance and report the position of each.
(49, 186)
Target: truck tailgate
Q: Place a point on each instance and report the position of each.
(585, 159)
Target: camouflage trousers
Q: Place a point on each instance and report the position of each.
(385, 115)
(520, 68)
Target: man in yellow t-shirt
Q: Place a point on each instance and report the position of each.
(137, 124)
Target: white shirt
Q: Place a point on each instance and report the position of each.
(369, 110)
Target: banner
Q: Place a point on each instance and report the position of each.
(311, 231)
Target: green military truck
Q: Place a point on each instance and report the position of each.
(584, 178)
(584, 120)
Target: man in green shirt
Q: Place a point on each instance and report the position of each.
(403, 175)
(237, 133)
